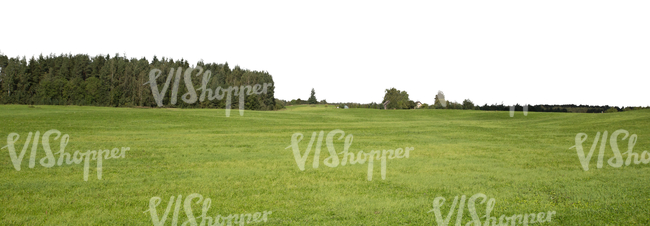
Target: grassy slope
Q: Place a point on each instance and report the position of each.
(241, 163)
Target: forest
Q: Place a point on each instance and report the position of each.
(116, 81)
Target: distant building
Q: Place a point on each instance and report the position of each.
(418, 104)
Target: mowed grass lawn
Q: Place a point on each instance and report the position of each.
(241, 163)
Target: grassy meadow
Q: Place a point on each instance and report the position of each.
(243, 165)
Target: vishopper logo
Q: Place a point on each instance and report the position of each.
(218, 220)
(512, 110)
(333, 159)
(523, 219)
(49, 160)
(617, 160)
(441, 99)
(191, 96)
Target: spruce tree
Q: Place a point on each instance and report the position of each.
(312, 98)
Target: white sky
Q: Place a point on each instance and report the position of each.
(535, 52)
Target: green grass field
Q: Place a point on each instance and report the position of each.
(243, 166)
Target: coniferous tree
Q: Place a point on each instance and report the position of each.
(117, 81)
(312, 97)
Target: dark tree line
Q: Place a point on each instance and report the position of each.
(115, 81)
(561, 108)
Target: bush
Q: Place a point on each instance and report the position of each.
(468, 104)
